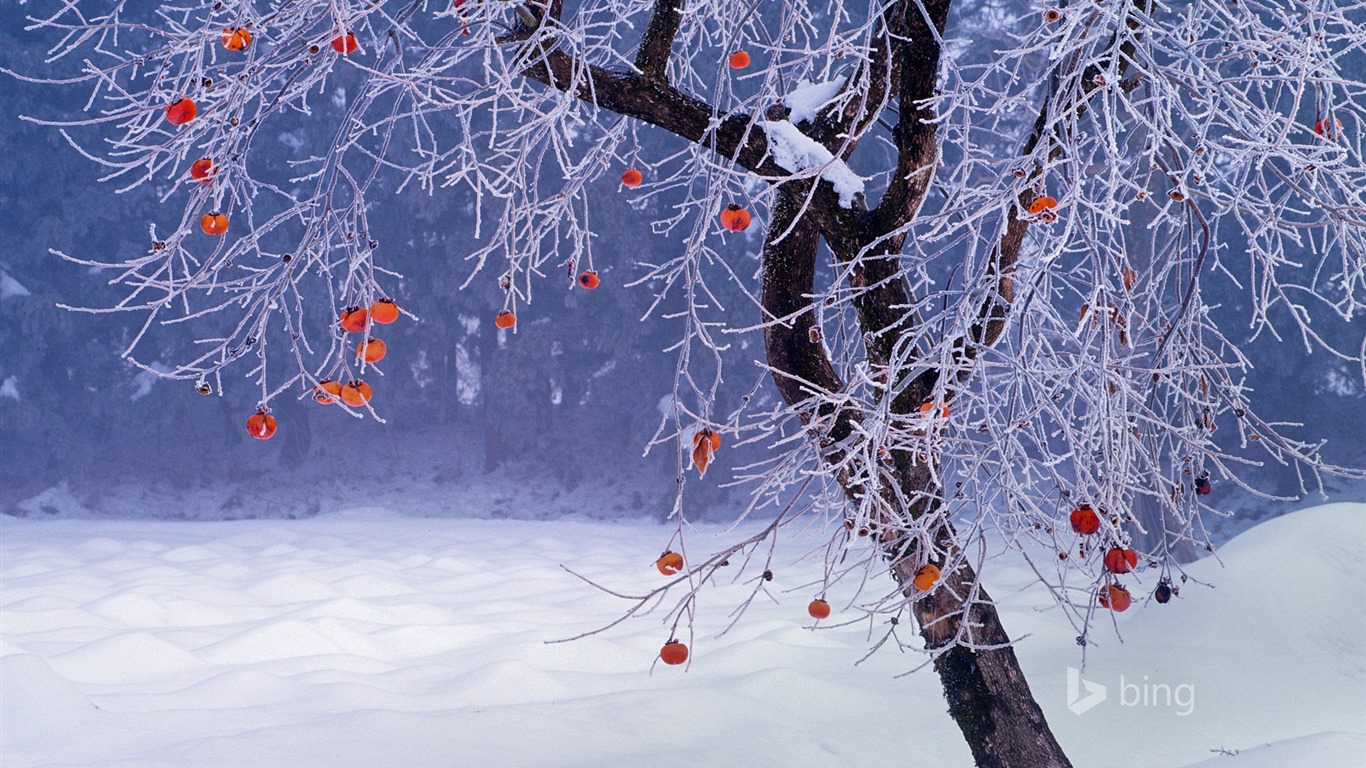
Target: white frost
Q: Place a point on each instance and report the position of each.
(796, 152)
(10, 388)
(808, 98)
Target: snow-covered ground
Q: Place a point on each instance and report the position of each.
(366, 638)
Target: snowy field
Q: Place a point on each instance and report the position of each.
(370, 639)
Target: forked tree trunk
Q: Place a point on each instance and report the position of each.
(987, 692)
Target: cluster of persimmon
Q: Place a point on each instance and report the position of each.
(929, 407)
(236, 39)
(356, 319)
(673, 652)
(926, 576)
(184, 110)
(1117, 560)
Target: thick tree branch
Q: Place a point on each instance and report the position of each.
(801, 369)
(911, 33)
(735, 137)
(658, 41)
(915, 71)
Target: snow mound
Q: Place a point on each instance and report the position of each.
(38, 706)
(1286, 579)
(1262, 645)
(1328, 750)
(349, 641)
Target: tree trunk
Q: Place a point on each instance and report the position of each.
(986, 689)
(987, 692)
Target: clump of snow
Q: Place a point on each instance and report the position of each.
(374, 639)
(10, 387)
(808, 98)
(796, 152)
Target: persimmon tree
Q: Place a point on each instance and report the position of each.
(984, 233)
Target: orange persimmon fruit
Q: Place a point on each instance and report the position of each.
(356, 394)
(1120, 560)
(631, 178)
(1326, 129)
(735, 219)
(669, 563)
(739, 60)
(371, 351)
(1041, 204)
(353, 319)
(818, 608)
(1202, 486)
(1116, 598)
(261, 425)
(327, 392)
(673, 653)
(505, 319)
(927, 576)
(213, 223)
(203, 170)
(181, 112)
(589, 279)
(1085, 520)
(236, 39)
(710, 435)
(345, 44)
(384, 311)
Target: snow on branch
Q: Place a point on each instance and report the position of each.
(800, 154)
